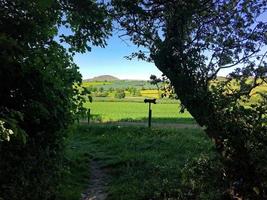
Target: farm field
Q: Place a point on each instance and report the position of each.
(140, 163)
(120, 84)
(134, 99)
(135, 111)
(135, 90)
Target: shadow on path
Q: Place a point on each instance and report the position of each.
(98, 183)
(145, 124)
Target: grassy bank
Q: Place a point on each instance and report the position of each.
(142, 163)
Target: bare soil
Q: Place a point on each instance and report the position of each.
(97, 184)
(145, 124)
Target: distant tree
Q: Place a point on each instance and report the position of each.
(137, 93)
(134, 91)
(119, 93)
(156, 81)
(131, 90)
(101, 94)
(101, 89)
(110, 89)
(191, 41)
(40, 88)
(94, 89)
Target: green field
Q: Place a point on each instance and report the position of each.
(134, 111)
(120, 84)
(135, 100)
(141, 163)
(138, 90)
(96, 83)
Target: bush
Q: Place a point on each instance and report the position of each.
(29, 168)
(40, 91)
(202, 179)
(119, 94)
(101, 94)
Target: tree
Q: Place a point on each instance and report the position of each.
(165, 89)
(191, 42)
(40, 88)
(101, 89)
(119, 94)
(110, 89)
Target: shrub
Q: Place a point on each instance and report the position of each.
(202, 179)
(40, 90)
(119, 94)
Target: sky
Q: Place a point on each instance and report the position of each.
(111, 61)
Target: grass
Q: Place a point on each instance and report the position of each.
(142, 163)
(134, 111)
(96, 83)
(75, 173)
(134, 100)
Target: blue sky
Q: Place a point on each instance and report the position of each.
(111, 61)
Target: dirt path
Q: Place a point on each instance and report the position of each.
(155, 124)
(97, 185)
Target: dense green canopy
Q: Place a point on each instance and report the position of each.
(39, 87)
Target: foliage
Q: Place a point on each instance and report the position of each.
(202, 179)
(9, 126)
(134, 91)
(166, 87)
(191, 42)
(5, 132)
(141, 163)
(119, 94)
(101, 94)
(40, 88)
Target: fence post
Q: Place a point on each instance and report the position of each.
(149, 101)
(149, 116)
(88, 115)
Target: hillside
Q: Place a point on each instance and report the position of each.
(102, 78)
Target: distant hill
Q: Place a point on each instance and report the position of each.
(103, 78)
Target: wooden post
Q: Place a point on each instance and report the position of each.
(88, 115)
(149, 116)
(149, 101)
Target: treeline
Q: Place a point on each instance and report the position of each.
(120, 84)
(112, 92)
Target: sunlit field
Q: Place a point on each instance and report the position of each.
(133, 111)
